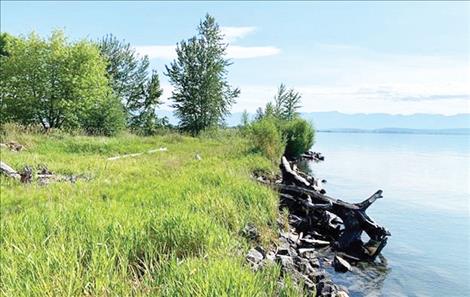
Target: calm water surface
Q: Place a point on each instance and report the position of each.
(426, 206)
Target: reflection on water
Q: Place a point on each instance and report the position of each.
(366, 279)
(425, 179)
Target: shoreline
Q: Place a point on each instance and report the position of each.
(405, 132)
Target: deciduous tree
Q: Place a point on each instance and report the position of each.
(202, 95)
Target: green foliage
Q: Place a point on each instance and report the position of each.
(265, 137)
(161, 224)
(104, 118)
(284, 106)
(299, 135)
(3, 43)
(282, 112)
(130, 80)
(53, 82)
(202, 96)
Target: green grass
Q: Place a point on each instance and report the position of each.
(162, 224)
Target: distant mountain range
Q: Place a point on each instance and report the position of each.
(460, 131)
(374, 123)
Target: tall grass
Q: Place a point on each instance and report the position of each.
(158, 224)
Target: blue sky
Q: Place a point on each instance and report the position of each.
(391, 57)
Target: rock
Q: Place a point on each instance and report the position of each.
(314, 262)
(283, 248)
(261, 250)
(287, 263)
(305, 267)
(341, 294)
(317, 275)
(340, 264)
(254, 256)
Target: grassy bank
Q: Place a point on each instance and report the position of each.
(156, 224)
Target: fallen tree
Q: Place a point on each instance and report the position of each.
(314, 213)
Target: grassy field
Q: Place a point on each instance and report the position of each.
(161, 224)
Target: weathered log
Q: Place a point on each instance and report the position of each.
(291, 176)
(8, 171)
(301, 198)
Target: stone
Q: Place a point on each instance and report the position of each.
(287, 264)
(305, 267)
(317, 275)
(341, 294)
(283, 248)
(341, 265)
(261, 250)
(271, 256)
(254, 256)
(314, 262)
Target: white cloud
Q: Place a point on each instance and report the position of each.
(357, 80)
(234, 33)
(168, 52)
(246, 52)
(231, 34)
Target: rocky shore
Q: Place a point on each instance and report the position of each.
(322, 232)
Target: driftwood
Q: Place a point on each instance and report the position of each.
(338, 221)
(8, 171)
(13, 146)
(43, 176)
(314, 156)
(162, 149)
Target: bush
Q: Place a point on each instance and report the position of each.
(266, 137)
(105, 118)
(299, 135)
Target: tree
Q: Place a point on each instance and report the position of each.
(202, 96)
(245, 120)
(259, 114)
(53, 82)
(3, 43)
(129, 77)
(291, 104)
(279, 100)
(286, 103)
(270, 110)
(143, 115)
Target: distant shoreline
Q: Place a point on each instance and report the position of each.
(460, 131)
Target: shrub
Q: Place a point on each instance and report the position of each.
(106, 117)
(266, 137)
(299, 135)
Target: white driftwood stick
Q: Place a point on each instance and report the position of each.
(162, 149)
(8, 171)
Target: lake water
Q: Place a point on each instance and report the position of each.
(426, 206)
